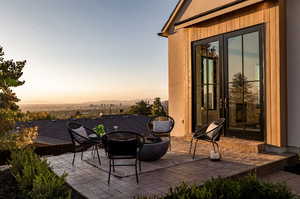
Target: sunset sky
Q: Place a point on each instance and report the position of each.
(87, 50)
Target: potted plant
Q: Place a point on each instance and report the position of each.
(99, 130)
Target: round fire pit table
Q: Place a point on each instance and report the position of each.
(154, 149)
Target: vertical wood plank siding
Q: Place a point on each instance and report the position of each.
(180, 61)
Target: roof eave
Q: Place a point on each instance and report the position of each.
(161, 34)
(172, 16)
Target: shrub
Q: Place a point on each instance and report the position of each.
(31, 116)
(25, 165)
(243, 188)
(47, 185)
(34, 177)
(11, 138)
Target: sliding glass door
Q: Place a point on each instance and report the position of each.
(228, 82)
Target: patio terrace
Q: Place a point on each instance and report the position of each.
(91, 182)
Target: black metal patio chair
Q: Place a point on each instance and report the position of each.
(161, 126)
(210, 133)
(81, 140)
(120, 145)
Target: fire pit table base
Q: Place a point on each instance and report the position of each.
(154, 151)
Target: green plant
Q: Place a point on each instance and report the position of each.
(34, 177)
(47, 185)
(11, 138)
(10, 74)
(244, 188)
(99, 129)
(24, 167)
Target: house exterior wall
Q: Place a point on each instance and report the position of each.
(196, 7)
(177, 81)
(268, 13)
(293, 61)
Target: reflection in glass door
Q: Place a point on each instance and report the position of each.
(206, 86)
(243, 84)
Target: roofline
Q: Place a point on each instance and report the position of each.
(178, 5)
(209, 11)
(162, 35)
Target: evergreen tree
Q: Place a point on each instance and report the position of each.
(141, 108)
(157, 108)
(10, 74)
(241, 93)
(240, 85)
(11, 138)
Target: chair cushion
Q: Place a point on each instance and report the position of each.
(81, 131)
(161, 126)
(209, 129)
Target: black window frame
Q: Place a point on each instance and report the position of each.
(224, 73)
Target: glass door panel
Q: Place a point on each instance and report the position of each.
(235, 83)
(206, 83)
(244, 82)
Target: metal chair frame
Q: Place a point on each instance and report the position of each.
(84, 143)
(112, 157)
(161, 134)
(201, 134)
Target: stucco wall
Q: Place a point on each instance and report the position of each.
(293, 63)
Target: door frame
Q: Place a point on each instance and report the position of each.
(194, 46)
(223, 62)
(261, 31)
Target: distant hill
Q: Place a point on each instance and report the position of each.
(78, 106)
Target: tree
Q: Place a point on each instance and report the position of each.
(11, 137)
(241, 94)
(10, 74)
(141, 108)
(157, 108)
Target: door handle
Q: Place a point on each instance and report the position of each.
(225, 102)
(221, 103)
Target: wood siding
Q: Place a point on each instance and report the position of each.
(268, 13)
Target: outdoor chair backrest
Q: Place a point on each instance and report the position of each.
(161, 124)
(77, 132)
(215, 132)
(122, 143)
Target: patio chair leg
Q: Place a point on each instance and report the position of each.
(140, 165)
(136, 172)
(191, 145)
(170, 143)
(92, 152)
(114, 165)
(73, 158)
(213, 144)
(109, 172)
(81, 155)
(218, 147)
(96, 148)
(195, 149)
